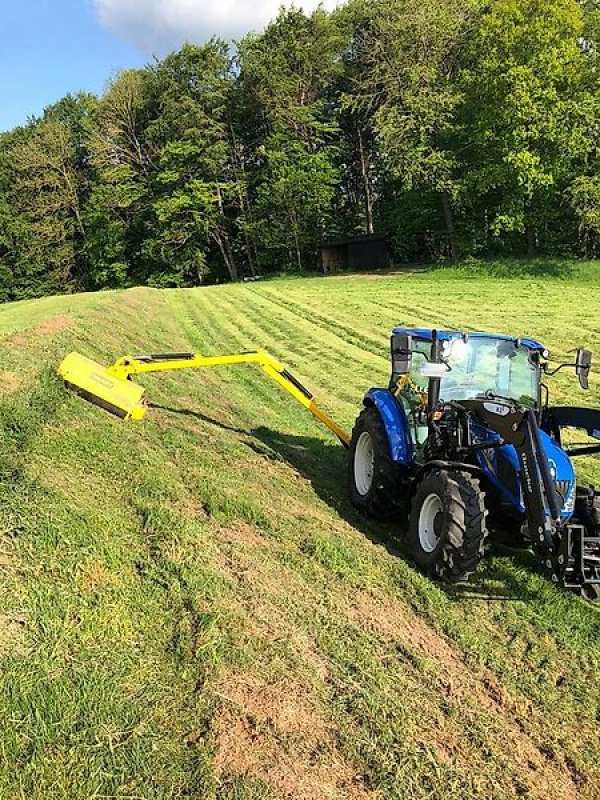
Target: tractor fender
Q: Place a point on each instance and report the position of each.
(395, 423)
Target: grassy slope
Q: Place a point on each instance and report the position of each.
(190, 608)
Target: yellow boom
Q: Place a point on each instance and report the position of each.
(112, 387)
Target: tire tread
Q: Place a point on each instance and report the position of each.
(464, 504)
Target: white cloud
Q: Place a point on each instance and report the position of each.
(158, 26)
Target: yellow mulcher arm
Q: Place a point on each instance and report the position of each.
(112, 388)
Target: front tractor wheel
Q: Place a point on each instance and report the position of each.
(447, 527)
(375, 480)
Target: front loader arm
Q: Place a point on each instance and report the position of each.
(518, 426)
(113, 389)
(566, 549)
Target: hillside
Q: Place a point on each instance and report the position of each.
(191, 608)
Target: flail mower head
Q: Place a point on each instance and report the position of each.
(102, 387)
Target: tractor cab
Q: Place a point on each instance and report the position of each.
(431, 368)
(468, 365)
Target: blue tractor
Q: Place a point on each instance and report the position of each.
(464, 441)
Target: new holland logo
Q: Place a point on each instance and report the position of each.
(526, 472)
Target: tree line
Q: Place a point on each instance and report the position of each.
(459, 127)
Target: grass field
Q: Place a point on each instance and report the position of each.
(189, 607)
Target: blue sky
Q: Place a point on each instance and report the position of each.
(49, 48)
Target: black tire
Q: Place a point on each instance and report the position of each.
(454, 545)
(381, 497)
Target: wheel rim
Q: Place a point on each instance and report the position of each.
(364, 463)
(430, 518)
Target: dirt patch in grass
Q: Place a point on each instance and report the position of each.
(187, 504)
(12, 635)
(266, 595)
(241, 533)
(277, 733)
(511, 729)
(274, 728)
(10, 382)
(53, 325)
(49, 327)
(94, 577)
(6, 561)
(256, 586)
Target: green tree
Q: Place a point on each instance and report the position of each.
(44, 179)
(408, 59)
(197, 191)
(46, 197)
(293, 199)
(291, 133)
(359, 174)
(122, 161)
(523, 120)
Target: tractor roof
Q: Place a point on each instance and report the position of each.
(426, 334)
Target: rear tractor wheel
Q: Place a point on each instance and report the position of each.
(447, 527)
(375, 481)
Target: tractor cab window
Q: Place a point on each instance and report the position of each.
(412, 390)
(421, 354)
(486, 364)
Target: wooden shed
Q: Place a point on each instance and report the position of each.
(360, 253)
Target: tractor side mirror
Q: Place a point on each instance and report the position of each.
(583, 364)
(401, 345)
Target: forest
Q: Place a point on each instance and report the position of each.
(458, 127)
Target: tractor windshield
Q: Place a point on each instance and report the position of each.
(486, 364)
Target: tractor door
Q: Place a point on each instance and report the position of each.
(411, 390)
